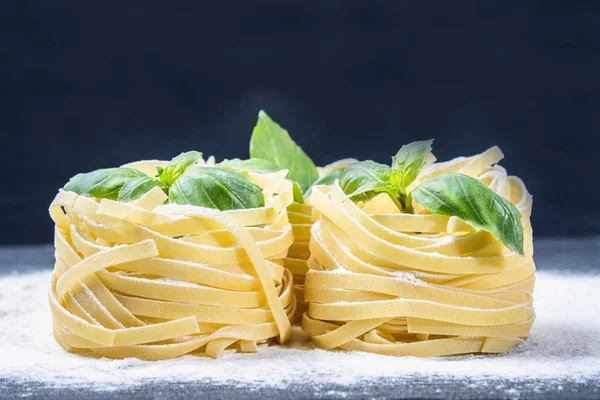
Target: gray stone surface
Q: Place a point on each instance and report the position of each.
(569, 256)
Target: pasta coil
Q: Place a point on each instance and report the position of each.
(418, 284)
(155, 281)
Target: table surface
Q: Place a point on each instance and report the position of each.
(568, 256)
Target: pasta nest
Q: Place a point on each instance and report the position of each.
(155, 281)
(418, 284)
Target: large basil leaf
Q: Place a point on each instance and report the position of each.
(326, 180)
(177, 166)
(105, 183)
(407, 163)
(364, 180)
(254, 164)
(468, 199)
(215, 187)
(273, 143)
(137, 187)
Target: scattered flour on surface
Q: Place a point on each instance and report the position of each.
(565, 344)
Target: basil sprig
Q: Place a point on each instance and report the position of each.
(366, 179)
(407, 163)
(177, 166)
(447, 194)
(271, 142)
(211, 187)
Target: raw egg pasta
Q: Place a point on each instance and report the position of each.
(418, 284)
(300, 216)
(153, 281)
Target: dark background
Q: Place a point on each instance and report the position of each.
(85, 85)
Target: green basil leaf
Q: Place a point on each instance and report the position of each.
(261, 166)
(137, 187)
(468, 199)
(407, 163)
(103, 183)
(364, 180)
(326, 180)
(177, 166)
(254, 164)
(297, 191)
(215, 187)
(273, 143)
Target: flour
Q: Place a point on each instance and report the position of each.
(565, 344)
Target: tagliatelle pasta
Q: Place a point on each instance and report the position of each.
(300, 216)
(418, 284)
(154, 281)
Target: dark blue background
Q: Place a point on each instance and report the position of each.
(86, 85)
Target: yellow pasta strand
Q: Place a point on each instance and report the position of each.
(300, 216)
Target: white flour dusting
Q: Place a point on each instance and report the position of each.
(565, 343)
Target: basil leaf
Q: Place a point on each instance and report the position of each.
(273, 143)
(407, 163)
(137, 187)
(297, 191)
(103, 183)
(215, 187)
(470, 200)
(326, 180)
(364, 180)
(253, 164)
(261, 166)
(177, 166)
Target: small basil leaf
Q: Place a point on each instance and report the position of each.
(326, 180)
(273, 143)
(102, 183)
(177, 166)
(215, 187)
(297, 191)
(159, 171)
(364, 180)
(407, 163)
(254, 164)
(470, 200)
(137, 187)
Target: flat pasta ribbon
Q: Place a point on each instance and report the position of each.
(301, 218)
(418, 284)
(155, 281)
